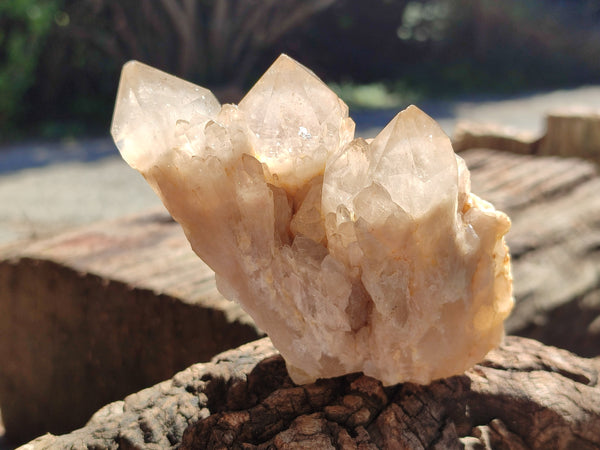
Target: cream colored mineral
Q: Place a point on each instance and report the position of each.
(352, 255)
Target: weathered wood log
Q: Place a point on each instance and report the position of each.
(92, 315)
(572, 132)
(554, 205)
(468, 135)
(523, 395)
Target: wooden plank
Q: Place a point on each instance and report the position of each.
(572, 132)
(94, 314)
(513, 182)
(468, 134)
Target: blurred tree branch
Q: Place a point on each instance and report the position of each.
(265, 23)
(60, 59)
(215, 41)
(183, 16)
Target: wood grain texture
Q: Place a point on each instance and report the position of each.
(572, 132)
(95, 314)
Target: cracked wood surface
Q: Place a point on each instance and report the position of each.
(523, 395)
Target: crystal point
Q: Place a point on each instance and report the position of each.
(151, 106)
(353, 255)
(296, 121)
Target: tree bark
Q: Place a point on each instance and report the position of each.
(523, 395)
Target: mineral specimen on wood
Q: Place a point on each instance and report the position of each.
(353, 256)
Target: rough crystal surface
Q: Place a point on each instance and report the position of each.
(352, 255)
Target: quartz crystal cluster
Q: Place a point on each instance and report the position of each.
(353, 255)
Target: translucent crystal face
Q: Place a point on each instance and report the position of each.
(411, 159)
(154, 107)
(296, 121)
(352, 255)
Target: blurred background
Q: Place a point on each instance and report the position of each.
(60, 59)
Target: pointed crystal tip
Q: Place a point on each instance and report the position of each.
(297, 121)
(149, 104)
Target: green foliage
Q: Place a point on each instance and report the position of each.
(24, 26)
(375, 95)
(454, 47)
(490, 46)
(60, 59)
